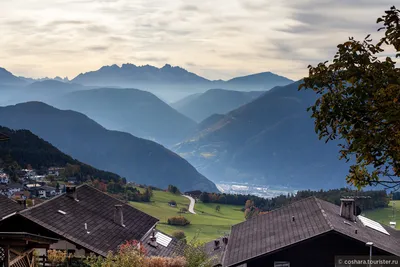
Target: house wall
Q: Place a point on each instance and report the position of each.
(65, 245)
(320, 251)
(18, 223)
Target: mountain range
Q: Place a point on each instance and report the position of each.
(270, 140)
(130, 110)
(136, 159)
(169, 77)
(198, 107)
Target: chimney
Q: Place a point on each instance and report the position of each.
(347, 209)
(71, 192)
(216, 244)
(119, 215)
(153, 239)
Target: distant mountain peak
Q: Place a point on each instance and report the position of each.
(7, 77)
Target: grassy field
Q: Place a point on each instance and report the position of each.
(385, 215)
(206, 225)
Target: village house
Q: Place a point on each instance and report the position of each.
(10, 189)
(45, 191)
(55, 171)
(85, 220)
(309, 232)
(4, 178)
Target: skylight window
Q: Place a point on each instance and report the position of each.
(162, 239)
(62, 212)
(372, 224)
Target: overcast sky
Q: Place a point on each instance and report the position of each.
(213, 38)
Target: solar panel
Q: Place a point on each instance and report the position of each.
(163, 239)
(372, 224)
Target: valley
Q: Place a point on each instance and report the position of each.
(206, 225)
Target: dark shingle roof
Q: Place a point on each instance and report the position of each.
(96, 209)
(8, 206)
(216, 255)
(174, 248)
(389, 243)
(312, 217)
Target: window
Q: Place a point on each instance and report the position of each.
(281, 264)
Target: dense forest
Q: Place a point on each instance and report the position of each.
(25, 149)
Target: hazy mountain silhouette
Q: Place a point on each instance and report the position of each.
(259, 81)
(38, 91)
(215, 101)
(75, 134)
(7, 78)
(137, 112)
(270, 140)
(152, 78)
(130, 74)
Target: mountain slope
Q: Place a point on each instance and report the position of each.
(7, 78)
(38, 91)
(137, 112)
(259, 81)
(214, 101)
(25, 148)
(138, 160)
(269, 141)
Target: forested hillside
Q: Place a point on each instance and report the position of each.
(24, 148)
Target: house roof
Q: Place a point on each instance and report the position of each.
(8, 206)
(275, 230)
(174, 248)
(214, 252)
(96, 209)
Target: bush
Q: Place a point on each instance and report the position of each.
(166, 262)
(56, 257)
(178, 220)
(183, 210)
(130, 255)
(179, 234)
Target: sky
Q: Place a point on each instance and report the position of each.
(217, 39)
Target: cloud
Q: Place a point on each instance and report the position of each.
(190, 8)
(219, 39)
(98, 48)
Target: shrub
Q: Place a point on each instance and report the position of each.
(183, 210)
(179, 234)
(130, 255)
(178, 220)
(56, 257)
(165, 262)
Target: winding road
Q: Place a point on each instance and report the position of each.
(191, 205)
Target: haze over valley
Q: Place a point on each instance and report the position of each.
(252, 130)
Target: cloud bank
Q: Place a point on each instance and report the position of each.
(216, 39)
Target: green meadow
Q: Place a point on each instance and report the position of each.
(206, 225)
